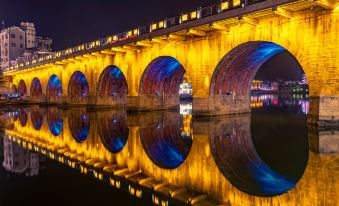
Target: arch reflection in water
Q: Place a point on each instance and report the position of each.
(237, 158)
(37, 118)
(23, 117)
(113, 130)
(55, 123)
(167, 139)
(79, 125)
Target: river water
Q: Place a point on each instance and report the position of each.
(79, 156)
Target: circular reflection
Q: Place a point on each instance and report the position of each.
(79, 125)
(55, 123)
(238, 159)
(113, 132)
(36, 118)
(23, 117)
(165, 143)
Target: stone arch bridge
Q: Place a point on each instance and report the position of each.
(219, 48)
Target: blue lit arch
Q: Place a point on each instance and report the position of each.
(54, 87)
(237, 158)
(165, 145)
(112, 83)
(78, 85)
(22, 88)
(79, 125)
(37, 119)
(163, 75)
(36, 89)
(114, 132)
(237, 69)
(55, 122)
(23, 117)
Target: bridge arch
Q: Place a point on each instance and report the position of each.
(22, 88)
(113, 131)
(36, 119)
(23, 118)
(79, 125)
(78, 88)
(112, 87)
(54, 120)
(231, 81)
(36, 89)
(54, 87)
(160, 82)
(165, 142)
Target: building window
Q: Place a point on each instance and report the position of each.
(21, 46)
(13, 44)
(12, 35)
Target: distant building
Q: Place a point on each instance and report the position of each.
(274, 86)
(256, 85)
(21, 43)
(12, 45)
(30, 34)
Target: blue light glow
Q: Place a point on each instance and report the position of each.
(54, 87)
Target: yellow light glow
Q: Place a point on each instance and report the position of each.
(154, 26)
(184, 17)
(161, 24)
(236, 2)
(225, 5)
(193, 15)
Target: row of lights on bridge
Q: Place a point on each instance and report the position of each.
(197, 14)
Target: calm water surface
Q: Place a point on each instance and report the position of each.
(59, 156)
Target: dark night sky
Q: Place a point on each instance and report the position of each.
(71, 22)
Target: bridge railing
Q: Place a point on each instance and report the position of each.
(199, 13)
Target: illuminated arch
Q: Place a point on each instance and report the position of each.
(162, 76)
(54, 87)
(114, 132)
(22, 88)
(237, 69)
(23, 117)
(79, 125)
(165, 145)
(78, 85)
(37, 119)
(237, 158)
(112, 83)
(36, 89)
(54, 120)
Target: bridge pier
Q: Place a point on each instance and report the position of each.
(324, 141)
(324, 110)
(221, 105)
(154, 102)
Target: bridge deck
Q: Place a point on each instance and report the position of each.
(221, 20)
